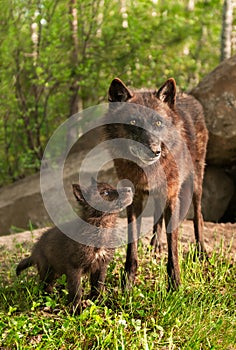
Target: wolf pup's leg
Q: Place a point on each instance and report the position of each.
(74, 288)
(97, 279)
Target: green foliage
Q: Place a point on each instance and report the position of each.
(44, 72)
(200, 315)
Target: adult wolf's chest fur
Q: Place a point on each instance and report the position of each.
(153, 178)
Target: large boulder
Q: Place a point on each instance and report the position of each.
(21, 203)
(21, 206)
(217, 94)
(218, 189)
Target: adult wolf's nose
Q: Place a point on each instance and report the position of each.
(156, 149)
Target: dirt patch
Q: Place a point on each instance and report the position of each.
(217, 236)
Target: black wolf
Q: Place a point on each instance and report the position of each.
(165, 156)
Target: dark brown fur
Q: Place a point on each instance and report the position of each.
(168, 125)
(56, 254)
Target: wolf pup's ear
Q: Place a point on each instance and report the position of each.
(118, 92)
(167, 93)
(78, 193)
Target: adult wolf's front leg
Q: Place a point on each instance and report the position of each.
(134, 212)
(157, 226)
(172, 222)
(131, 264)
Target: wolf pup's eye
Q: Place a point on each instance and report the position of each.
(159, 123)
(133, 122)
(105, 193)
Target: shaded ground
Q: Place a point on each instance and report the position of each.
(216, 236)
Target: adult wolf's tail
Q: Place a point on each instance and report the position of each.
(24, 264)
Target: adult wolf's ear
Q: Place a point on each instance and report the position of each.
(167, 92)
(118, 92)
(78, 193)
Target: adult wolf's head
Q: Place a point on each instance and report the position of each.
(145, 118)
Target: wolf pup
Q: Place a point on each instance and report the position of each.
(164, 156)
(56, 254)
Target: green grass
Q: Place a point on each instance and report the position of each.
(200, 315)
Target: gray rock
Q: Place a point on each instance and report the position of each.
(217, 94)
(218, 190)
(21, 203)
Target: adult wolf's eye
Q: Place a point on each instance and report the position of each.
(158, 123)
(133, 122)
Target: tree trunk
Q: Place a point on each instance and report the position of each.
(72, 133)
(226, 30)
(191, 5)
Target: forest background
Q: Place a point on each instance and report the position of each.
(59, 57)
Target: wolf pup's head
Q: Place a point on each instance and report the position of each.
(144, 118)
(101, 199)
